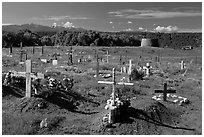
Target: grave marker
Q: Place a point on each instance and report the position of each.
(187, 68)
(28, 74)
(11, 50)
(113, 107)
(113, 82)
(107, 55)
(54, 62)
(21, 45)
(33, 50)
(182, 65)
(97, 66)
(165, 91)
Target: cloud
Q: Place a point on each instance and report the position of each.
(140, 28)
(110, 22)
(60, 18)
(129, 29)
(153, 13)
(129, 22)
(166, 29)
(113, 27)
(68, 25)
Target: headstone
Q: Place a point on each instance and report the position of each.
(54, 62)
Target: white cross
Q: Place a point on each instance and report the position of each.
(130, 67)
(182, 65)
(113, 82)
(107, 55)
(28, 74)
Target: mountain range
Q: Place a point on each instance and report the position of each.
(37, 28)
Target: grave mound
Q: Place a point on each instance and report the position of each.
(146, 119)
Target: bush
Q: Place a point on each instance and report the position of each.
(136, 75)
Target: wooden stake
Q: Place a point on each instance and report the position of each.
(11, 51)
(97, 66)
(33, 50)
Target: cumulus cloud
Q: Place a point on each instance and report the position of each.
(140, 28)
(153, 13)
(129, 22)
(68, 25)
(129, 29)
(166, 29)
(111, 22)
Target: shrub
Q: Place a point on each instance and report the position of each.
(136, 75)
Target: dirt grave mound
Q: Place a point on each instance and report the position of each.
(146, 119)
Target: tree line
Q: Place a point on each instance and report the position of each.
(95, 38)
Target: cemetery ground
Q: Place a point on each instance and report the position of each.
(80, 110)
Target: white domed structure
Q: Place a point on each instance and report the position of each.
(146, 42)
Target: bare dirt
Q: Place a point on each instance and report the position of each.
(80, 110)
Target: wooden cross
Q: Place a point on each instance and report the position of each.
(113, 82)
(33, 51)
(11, 51)
(130, 67)
(97, 66)
(28, 74)
(107, 55)
(165, 91)
(42, 50)
(21, 45)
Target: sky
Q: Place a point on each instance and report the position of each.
(108, 16)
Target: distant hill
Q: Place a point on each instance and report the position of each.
(37, 28)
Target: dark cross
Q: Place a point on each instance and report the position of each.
(70, 55)
(33, 50)
(165, 91)
(11, 51)
(42, 49)
(126, 55)
(21, 45)
(97, 66)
